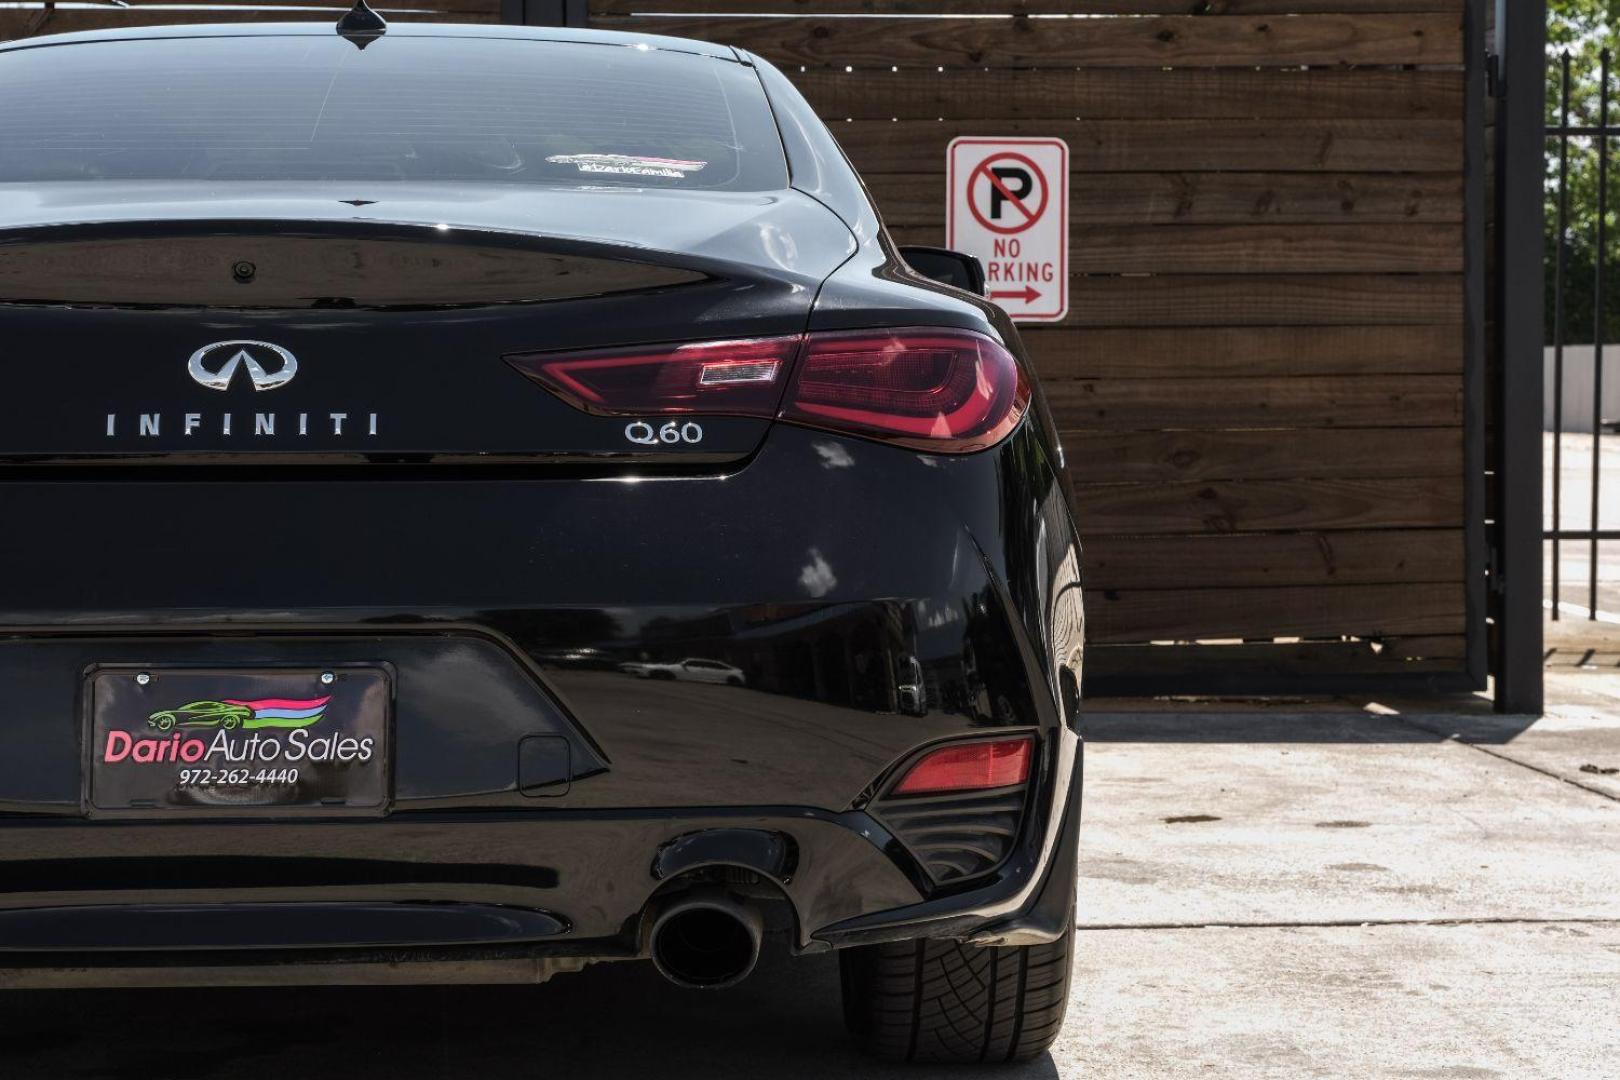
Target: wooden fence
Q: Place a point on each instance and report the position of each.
(1260, 383)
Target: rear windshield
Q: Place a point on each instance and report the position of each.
(406, 108)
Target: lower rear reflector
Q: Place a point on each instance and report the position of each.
(969, 767)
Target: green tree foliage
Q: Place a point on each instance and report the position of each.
(1581, 30)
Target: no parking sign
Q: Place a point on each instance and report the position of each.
(1009, 205)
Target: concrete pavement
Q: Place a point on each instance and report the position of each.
(1334, 892)
(1331, 818)
(1406, 895)
(1466, 1002)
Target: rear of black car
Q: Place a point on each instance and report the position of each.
(493, 501)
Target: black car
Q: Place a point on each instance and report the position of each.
(408, 392)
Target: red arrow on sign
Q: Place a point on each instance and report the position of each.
(1028, 294)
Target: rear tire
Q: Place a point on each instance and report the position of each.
(943, 1001)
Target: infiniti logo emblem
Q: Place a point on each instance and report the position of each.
(268, 366)
(207, 370)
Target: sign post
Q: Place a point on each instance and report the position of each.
(1009, 205)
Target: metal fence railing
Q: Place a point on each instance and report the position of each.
(1581, 151)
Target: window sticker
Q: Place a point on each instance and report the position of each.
(628, 165)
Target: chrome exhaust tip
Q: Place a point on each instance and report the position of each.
(706, 940)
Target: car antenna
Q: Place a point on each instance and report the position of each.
(361, 25)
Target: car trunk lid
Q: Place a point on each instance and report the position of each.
(147, 323)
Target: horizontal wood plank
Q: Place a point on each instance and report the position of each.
(1242, 249)
(1147, 457)
(1266, 249)
(1265, 300)
(1229, 506)
(1132, 93)
(1331, 146)
(1146, 41)
(1271, 560)
(1019, 7)
(1184, 198)
(1304, 401)
(1437, 646)
(1302, 611)
(1218, 351)
(1219, 667)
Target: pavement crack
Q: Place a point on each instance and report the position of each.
(1499, 756)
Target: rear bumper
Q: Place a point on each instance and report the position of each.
(486, 897)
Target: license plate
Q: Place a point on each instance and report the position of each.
(198, 740)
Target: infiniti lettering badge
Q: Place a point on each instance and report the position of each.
(219, 378)
(268, 367)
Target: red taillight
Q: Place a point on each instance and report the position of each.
(969, 767)
(739, 378)
(947, 391)
(940, 390)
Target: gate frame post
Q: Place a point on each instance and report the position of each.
(1521, 140)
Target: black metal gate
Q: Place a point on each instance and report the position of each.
(1582, 310)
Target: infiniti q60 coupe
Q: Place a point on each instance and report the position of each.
(421, 387)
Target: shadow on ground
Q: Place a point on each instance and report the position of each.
(613, 1020)
(1280, 725)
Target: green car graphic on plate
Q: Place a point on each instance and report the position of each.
(230, 713)
(201, 714)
